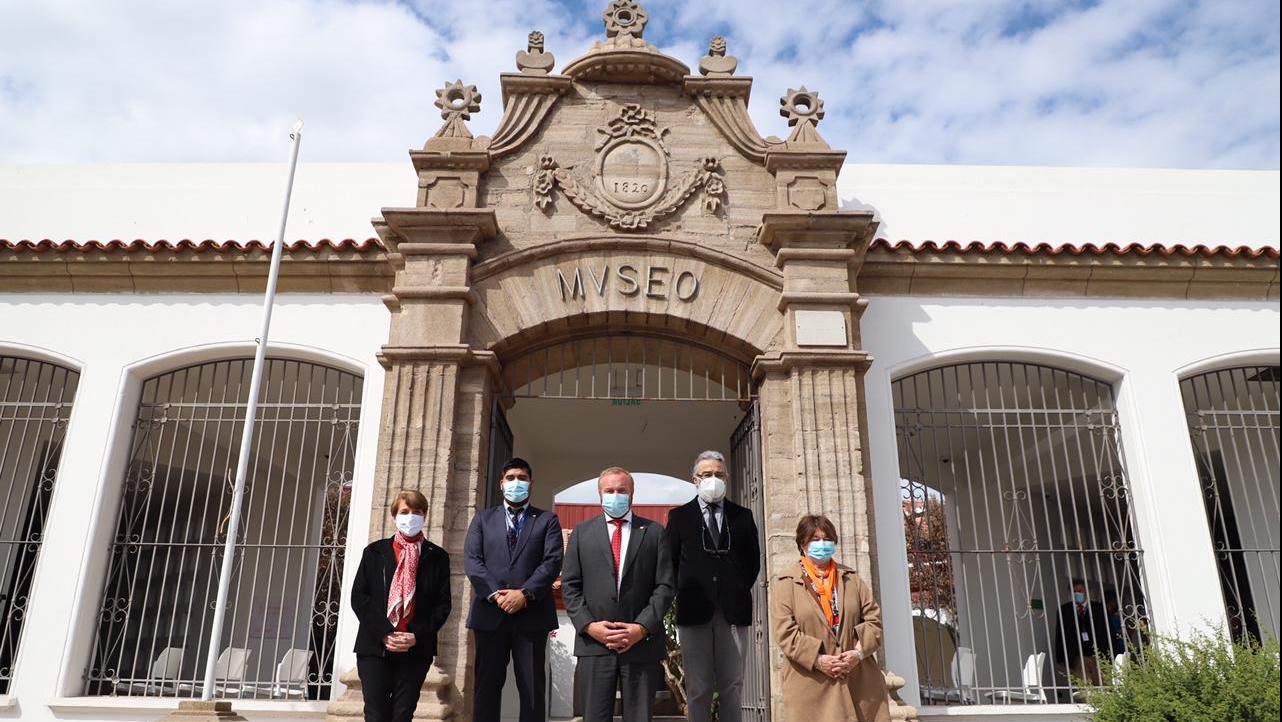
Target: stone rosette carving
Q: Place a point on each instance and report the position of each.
(804, 109)
(457, 103)
(631, 187)
(624, 25)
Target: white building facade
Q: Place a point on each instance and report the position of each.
(999, 382)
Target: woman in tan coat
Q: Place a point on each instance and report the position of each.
(828, 627)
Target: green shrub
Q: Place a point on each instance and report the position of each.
(1203, 679)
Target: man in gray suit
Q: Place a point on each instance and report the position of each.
(617, 585)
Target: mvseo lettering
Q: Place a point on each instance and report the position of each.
(629, 280)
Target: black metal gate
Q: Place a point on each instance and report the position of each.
(747, 490)
(35, 406)
(500, 451)
(1233, 423)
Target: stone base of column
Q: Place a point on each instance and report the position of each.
(432, 701)
(195, 710)
(899, 710)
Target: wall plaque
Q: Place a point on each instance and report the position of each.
(820, 328)
(631, 187)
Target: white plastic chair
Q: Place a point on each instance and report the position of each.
(964, 671)
(1033, 691)
(963, 681)
(291, 674)
(229, 671)
(1120, 663)
(163, 675)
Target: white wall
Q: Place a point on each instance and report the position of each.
(1142, 347)
(1066, 205)
(116, 341)
(915, 202)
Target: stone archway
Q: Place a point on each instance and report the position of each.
(554, 226)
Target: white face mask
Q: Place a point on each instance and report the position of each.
(409, 524)
(712, 490)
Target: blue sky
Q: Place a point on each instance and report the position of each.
(1151, 83)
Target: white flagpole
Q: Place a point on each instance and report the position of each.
(247, 438)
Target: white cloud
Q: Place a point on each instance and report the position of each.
(1114, 82)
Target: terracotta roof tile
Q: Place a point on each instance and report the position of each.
(208, 245)
(1085, 249)
(915, 247)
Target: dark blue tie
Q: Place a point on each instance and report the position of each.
(513, 529)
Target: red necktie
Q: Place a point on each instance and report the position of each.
(616, 545)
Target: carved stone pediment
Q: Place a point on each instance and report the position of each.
(630, 187)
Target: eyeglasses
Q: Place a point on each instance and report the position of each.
(713, 474)
(708, 547)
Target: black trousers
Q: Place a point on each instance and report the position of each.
(603, 676)
(528, 653)
(391, 685)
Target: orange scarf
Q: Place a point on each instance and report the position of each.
(825, 587)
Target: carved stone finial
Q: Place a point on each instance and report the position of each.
(716, 63)
(803, 109)
(534, 61)
(457, 103)
(624, 17)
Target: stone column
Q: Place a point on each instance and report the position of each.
(814, 419)
(435, 423)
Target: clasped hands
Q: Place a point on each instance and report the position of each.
(618, 637)
(838, 666)
(399, 641)
(510, 600)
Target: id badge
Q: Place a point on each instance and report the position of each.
(1086, 636)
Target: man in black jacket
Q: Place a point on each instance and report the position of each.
(1082, 635)
(617, 587)
(716, 556)
(512, 556)
(401, 596)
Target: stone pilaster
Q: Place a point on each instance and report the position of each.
(814, 418)
(812, 389)
(435, 415)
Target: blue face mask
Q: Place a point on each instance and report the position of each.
(616, 505)
(1079, 598)
(821, 551)
(516, 490)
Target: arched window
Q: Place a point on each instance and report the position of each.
(35, 404)
(157, 605)
(1015, 499)
(1233, 423)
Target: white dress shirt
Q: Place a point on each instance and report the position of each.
(626, 530)
(720, 514)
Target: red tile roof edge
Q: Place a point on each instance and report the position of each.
(1084, 249)
(914, 247)
(186, 244)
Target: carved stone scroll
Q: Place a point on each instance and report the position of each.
(725, 101)
(527, 101)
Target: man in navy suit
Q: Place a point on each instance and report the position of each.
(512, 555)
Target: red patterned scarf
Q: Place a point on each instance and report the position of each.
(400, 597)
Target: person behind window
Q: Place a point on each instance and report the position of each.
(401, 597)
(828, 627)
(1082, 635)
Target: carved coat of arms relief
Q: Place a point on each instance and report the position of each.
(631, 184)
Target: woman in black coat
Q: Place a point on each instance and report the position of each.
(401, 597)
